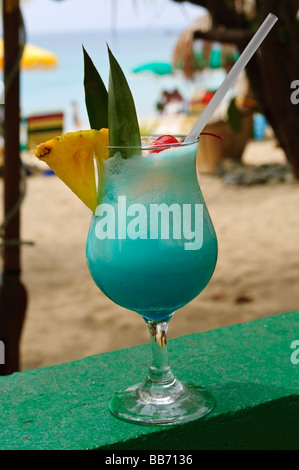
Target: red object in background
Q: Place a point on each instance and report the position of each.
(207, 97)
(212, 135)
(166, 140)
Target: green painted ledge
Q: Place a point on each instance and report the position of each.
(247, 367)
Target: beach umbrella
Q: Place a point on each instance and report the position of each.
(192, 55)
(33, 57)
(157, 68)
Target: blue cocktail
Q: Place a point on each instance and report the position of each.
(152, 248)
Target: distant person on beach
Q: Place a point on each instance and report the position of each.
(75, 114)
(169, 97)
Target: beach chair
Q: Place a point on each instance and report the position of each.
(42, 127)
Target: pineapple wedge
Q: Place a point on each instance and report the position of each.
(71, 157)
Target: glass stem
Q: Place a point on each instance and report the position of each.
(160, 385)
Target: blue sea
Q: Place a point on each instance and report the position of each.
(56, 90)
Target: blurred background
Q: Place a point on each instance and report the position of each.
(175, 55)
(138, 32)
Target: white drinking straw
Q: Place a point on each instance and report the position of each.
(229, 80)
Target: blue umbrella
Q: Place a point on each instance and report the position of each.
(158, 68)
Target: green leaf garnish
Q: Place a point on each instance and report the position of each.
(122, 117)
(96, 95)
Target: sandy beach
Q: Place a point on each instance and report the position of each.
(256, 275)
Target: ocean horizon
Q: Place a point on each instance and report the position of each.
(57, 89)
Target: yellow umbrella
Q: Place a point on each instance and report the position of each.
(33, 57)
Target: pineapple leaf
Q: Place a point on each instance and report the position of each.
(122, 117)
(96, 95)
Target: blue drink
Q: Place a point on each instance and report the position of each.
(152, 248)
(138, 269)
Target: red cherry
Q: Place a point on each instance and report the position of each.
(165, 141)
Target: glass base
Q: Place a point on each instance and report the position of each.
(194, 403)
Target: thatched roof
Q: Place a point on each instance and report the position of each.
(184, 56)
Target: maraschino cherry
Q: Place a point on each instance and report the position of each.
(164, 142)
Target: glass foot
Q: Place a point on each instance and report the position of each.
(194, 403)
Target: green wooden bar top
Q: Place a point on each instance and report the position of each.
(247, 367)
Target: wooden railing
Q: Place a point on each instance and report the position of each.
(252, 369)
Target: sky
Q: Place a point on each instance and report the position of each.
(68, 15)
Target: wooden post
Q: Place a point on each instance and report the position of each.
(12, 293)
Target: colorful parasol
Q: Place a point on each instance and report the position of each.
(33, 57)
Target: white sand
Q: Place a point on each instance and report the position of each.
(69, 318)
